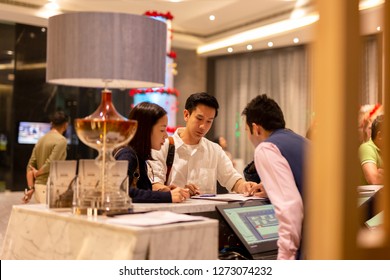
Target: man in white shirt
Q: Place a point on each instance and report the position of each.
(198, 162)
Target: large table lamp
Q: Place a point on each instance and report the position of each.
(101, 50)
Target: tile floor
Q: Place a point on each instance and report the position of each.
(7, 199)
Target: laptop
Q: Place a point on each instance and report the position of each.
(255, 225)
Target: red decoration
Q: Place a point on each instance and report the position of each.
(167, 15)
(171, 91)
(171, 129)
(373, 111)
(172, 54)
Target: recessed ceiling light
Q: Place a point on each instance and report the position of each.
(212, 17)
(367, 4)
(249, 47)
(258, 33)
(230, 49)
(296, 40)
(378, 28)
(270, 44)
(52, 5)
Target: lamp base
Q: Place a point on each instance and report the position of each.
(107, 202)
(104, 130)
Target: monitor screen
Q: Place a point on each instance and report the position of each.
(30, 132)
(255, 224)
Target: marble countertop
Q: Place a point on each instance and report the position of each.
(37, 232)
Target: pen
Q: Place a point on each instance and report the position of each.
(207, 195)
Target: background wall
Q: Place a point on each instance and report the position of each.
(191, 78)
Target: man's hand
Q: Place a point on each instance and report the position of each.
(192, 189)
(27, 195)
(258, 190)
(250, 188)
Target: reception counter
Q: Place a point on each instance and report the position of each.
(36, 232)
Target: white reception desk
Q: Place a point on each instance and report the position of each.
(36, 232)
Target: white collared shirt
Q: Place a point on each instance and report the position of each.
(202, 164)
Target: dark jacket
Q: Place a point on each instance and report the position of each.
(143, 193)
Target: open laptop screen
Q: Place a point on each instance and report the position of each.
(254, 223)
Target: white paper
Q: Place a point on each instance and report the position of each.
(154, 218)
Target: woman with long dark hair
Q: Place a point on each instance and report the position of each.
(151, 134)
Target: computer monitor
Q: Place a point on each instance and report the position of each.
(254, 223)
(30, 132)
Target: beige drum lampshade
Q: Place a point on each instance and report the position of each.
(87, 49)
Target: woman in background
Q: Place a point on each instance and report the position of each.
(151, 134)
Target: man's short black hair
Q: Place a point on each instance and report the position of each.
(264, 111)
(58, 118)
(201, 98)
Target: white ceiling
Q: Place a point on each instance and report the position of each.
(191, 25)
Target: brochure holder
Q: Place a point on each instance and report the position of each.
(61, 184)
(88, 181)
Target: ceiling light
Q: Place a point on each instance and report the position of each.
(296, 40)
(212, 17)
(230, 49)
(298, 13)
(258, 33)
(367, 4)
(378, 28)
(249, 47)
(52, 5)
(270, 44)
(51, 8)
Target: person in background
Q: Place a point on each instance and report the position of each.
(370, 154)
(220, 140)
(279, 160)
(151, 134)
(367, 115)
(50, 147)
(198, 162)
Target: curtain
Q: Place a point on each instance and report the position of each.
(370, 77)
(282, 74)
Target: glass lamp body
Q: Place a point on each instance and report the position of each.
(104, 130)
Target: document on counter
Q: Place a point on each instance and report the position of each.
(228, 197)
(153, 218)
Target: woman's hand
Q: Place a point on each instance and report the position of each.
(179, 195)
